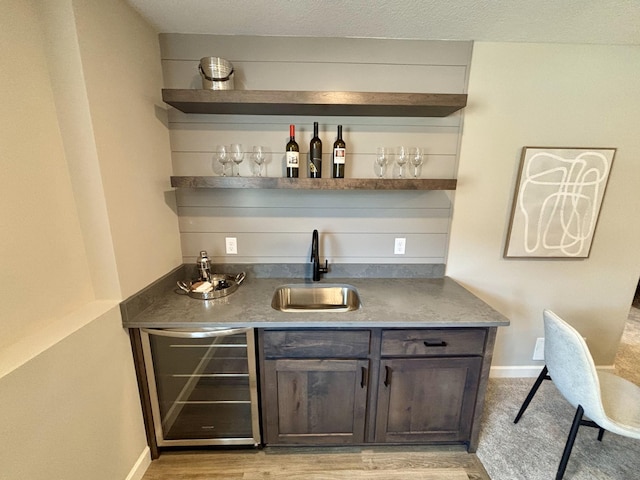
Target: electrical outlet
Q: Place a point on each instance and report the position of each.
(231, 245)
(538, 351)
(399, 246)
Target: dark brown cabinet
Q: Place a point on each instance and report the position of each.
(341, 386)
(428, 384)
(316, 401)
(423, 400)
(315, 386)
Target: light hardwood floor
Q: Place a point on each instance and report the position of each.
(328, 463)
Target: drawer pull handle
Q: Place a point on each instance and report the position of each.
(435, 344)
(387, 376)
(363, 381)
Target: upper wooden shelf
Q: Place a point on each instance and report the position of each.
(276, 102)
(315, 183)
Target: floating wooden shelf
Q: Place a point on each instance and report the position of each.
(276, 102)
(315, 183)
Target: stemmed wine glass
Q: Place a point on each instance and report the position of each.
(415, 156)
(402, 156)
(237, 155)
(222, 152)
(382, 158)
(258, 158)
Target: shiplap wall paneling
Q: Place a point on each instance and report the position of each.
(350, 230)
(304, 49)
(275, 226)
(287, 247)
(290, 63)
(324, 76)
(194, 144)
(361, 166)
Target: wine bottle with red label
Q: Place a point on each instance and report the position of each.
(292, 154)
(339, 155)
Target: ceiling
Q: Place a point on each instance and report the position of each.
(609, 22)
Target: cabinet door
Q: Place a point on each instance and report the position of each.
(315, 401)
(426, 399)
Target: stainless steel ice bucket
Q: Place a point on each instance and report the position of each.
(216, 73)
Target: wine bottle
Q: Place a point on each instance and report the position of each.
(339, 155)
(292, 153)
(315, 154)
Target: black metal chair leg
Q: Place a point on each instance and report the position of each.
(577, 420)
(591, 423)
(543, 376)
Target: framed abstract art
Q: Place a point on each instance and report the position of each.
(557, 201)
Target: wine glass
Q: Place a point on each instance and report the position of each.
(402, 156)
(382, 158)
(415, 157)
(258, 158)
(237, 155)
(222, 152)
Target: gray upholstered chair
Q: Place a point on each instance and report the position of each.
(610, 402)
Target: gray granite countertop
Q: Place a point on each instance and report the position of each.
(386, 302)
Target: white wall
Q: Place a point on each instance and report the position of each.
(73, 412)
(86, 222)
(41, 235)
(120, 59)
(548, 95)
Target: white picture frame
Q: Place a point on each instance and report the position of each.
(557, 201)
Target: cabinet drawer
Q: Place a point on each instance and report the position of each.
(316, 343)
(433, 342)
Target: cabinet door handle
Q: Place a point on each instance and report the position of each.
(363, 381)
(435, 344)
(387, 376)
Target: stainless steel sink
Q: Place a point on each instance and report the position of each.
(316, 298)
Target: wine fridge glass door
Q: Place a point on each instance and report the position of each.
(203, 386)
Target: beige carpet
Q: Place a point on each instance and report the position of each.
(627, 361)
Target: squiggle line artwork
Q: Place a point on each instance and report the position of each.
(559, 201)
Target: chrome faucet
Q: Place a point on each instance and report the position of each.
(315, 258)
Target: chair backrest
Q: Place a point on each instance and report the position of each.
(571, 366)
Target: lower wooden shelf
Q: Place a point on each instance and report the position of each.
(314, 183)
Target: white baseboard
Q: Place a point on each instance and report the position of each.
(527, 371)
(140, 467)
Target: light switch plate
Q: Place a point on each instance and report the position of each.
(231, 245)
(399, 246)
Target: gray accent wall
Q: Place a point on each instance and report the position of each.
(356, 227)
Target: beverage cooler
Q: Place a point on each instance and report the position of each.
(203, 386)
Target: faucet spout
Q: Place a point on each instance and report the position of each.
(315, 258)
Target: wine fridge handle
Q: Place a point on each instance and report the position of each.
(194, 333)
